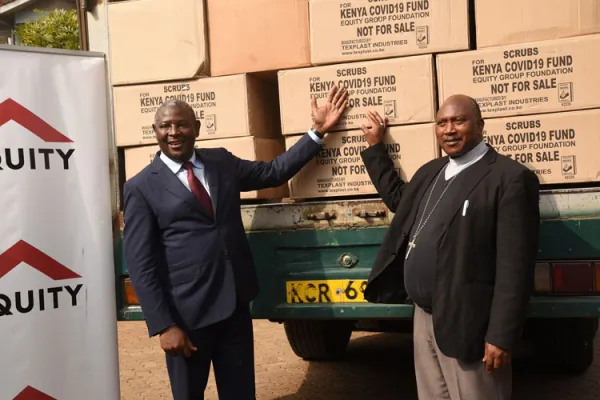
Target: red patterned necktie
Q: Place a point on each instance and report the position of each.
(197, 188)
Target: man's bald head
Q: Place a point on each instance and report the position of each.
(175, 103)
(459, 125)
(464, 100)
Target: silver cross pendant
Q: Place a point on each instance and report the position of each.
(411, 245)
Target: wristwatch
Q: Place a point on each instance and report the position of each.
(316, 132)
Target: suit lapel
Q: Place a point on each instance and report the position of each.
(165, 177)
(469, 180)
(212, 177)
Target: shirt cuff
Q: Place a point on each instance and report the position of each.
(314, 137)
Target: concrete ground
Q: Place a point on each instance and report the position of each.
(379, 366)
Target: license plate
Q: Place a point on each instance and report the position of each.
(326, 291)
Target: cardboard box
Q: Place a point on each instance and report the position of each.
(560, 147)
(401, 88)
(247, 148)
(353, 30)
(156, 40)
(257, 35)
(518, 21)
(229, 106)
(549, 76)
(338, 170)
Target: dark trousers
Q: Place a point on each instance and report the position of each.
(229, 345)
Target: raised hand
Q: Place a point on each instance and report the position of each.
(375, 128)
(326, 116)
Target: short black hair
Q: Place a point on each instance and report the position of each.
(175, 103)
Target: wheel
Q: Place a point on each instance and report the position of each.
(566, 344)
(318, 339)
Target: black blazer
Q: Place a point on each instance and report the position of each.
(186, 267)
(486, 259)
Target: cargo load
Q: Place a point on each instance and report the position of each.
(354, 30)
(533, 78)
(338, 170)
(257, 35)
(559, 147)
(157, 40)
(229, 106)
(400, 88)
(523, 21)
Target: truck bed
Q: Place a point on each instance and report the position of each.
(332, 241)
(555, 204)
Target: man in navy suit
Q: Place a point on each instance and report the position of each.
(187, 253)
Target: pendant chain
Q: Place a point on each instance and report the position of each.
(422, 223)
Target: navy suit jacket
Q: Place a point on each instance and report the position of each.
(186, 267)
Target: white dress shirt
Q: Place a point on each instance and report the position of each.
(199, 170)
(182, 173)
(456, 165)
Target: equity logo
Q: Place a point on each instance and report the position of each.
(36, 299)
(32, 158)
(30, 393)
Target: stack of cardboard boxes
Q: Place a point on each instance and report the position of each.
(535, 77)
(382, 52)
(160, 51)
(532, 73)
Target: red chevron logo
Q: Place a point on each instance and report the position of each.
(30, 393)
(10, 110)
(24, 252)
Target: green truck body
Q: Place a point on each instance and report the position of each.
(313, 259)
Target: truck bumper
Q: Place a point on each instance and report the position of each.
(565, 307)
(539, 307)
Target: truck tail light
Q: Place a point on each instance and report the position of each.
(129, 293)
(571, 277)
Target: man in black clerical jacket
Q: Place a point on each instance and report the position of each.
(462, 247)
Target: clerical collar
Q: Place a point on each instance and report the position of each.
(456, 165)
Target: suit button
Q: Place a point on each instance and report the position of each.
(226, 254)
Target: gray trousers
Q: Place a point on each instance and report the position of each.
(442, 377)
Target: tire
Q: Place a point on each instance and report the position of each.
(318, 339)
(566, 344)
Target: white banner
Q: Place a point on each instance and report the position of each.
(58, 333)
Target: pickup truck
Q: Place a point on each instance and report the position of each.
(313, 258)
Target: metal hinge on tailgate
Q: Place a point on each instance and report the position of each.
(368, 214)
(327, 216)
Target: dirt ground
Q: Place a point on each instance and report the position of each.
(378, 366)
